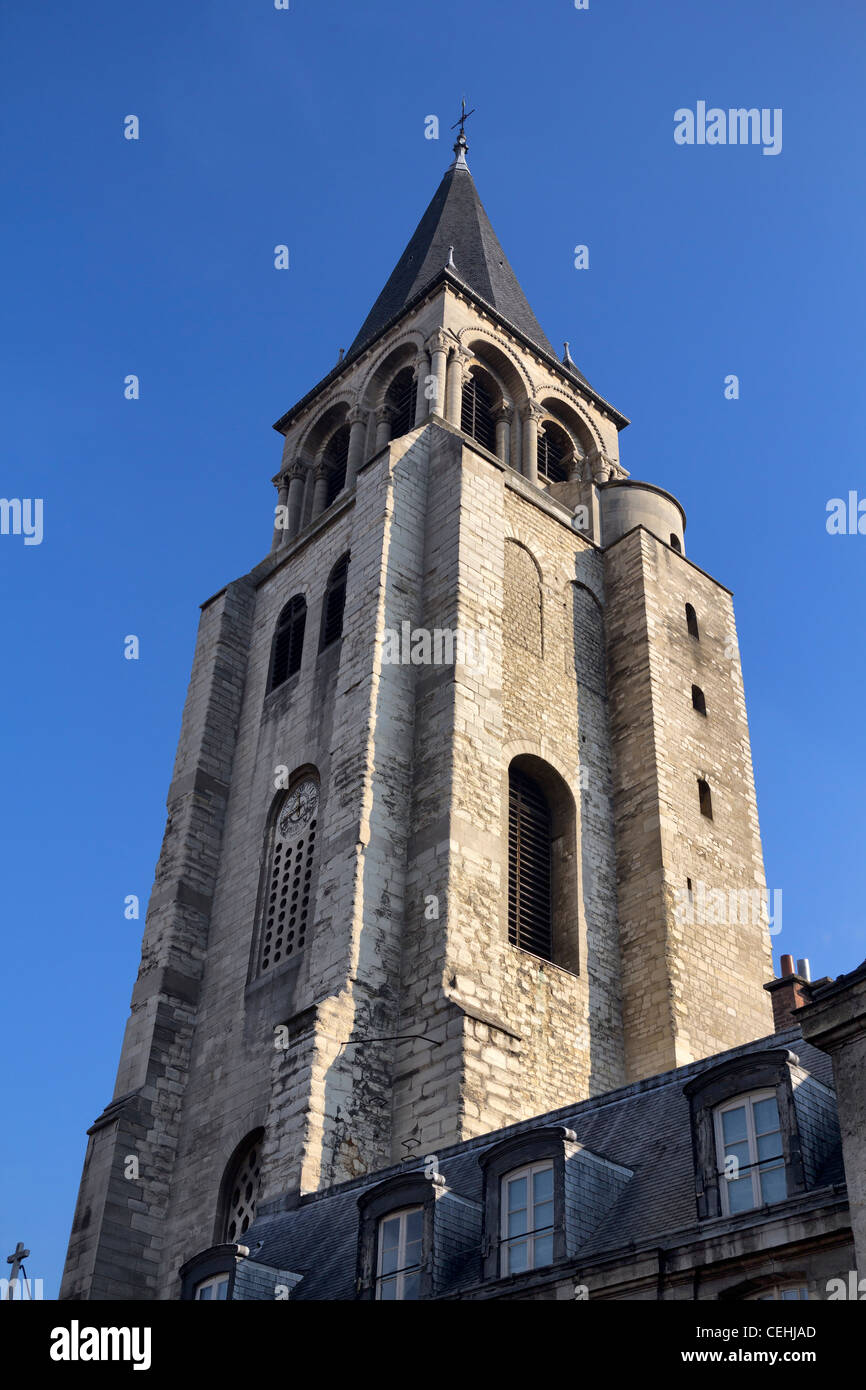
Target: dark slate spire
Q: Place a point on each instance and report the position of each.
(455, 231)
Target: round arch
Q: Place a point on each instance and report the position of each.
(547, 860)
(491, 351)
(571, 418)
(239, 1189)
(311, 444)
(400, 354)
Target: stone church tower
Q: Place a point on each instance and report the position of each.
(454, 757)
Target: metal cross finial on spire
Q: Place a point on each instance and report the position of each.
(460, 144)
(464, 117)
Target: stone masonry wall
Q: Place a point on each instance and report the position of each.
(521, 1024)
(690, 988)
(325, 1099)
(120, 1228)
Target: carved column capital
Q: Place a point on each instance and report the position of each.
(601, 467)
(357, 414)
(439, 341)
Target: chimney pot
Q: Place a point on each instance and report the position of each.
(789, 991)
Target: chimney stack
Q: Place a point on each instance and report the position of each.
(789, 992)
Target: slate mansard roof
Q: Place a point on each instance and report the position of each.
(645, 1127)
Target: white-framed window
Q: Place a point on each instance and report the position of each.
(749, 1152)
(527, 1218)
(215, 1287)
(401, 1242)
(784, 1293)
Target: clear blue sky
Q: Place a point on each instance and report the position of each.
(155, 257)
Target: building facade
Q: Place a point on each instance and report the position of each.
(462, 761)
(622, 1197)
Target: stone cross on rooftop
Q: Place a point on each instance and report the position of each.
(19, 1254)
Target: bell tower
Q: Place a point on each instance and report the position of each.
(439, 793)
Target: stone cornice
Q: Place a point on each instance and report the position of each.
(453, 281)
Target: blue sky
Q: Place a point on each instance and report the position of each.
(155, 257)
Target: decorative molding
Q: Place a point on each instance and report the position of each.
(575, 403)
(439, 341)
(410, 337)
(504, 347)
(345, 398)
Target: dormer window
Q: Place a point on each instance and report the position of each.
(396, 1234)
(748, 1143)
(215, 1287)
(525, 1201)
(400, 1254)
(749, 1151)
(211, 1275)
(526, 1239)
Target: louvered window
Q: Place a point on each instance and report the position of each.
(401, 399)
(334, 603)
(338, 457)
(288, 642)
(550, 455)
(529, 867)
(476, 413)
